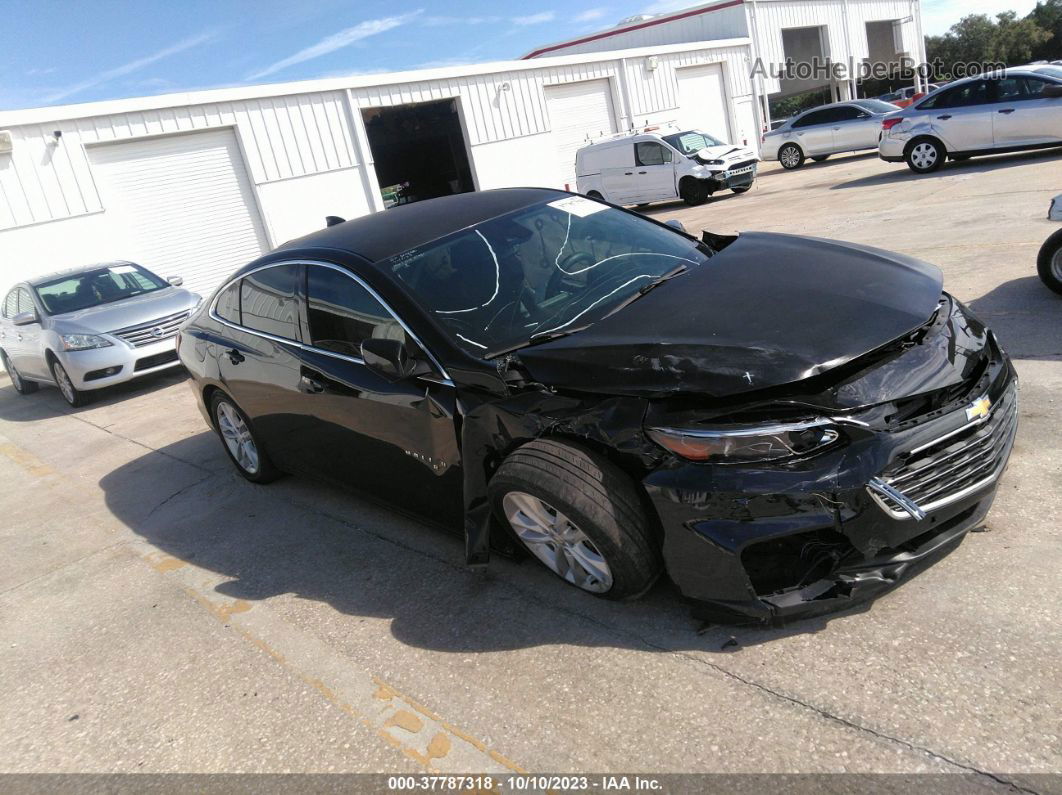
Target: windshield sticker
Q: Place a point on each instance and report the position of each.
(120, 269)
(577, 205)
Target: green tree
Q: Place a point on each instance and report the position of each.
(978, 38)
(1048, 16)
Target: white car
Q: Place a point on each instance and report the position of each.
(1005, 111)
(826, 130)
(650, 166)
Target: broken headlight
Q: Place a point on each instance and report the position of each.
(742, 444)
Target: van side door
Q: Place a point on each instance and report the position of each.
(617, 173)
(654, 172)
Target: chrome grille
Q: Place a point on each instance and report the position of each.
(153, 331)
(953, 466)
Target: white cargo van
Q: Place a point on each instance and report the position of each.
(657, 165)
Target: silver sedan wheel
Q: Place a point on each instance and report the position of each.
(924, 155)
(1056, 264)
(790, 157)
(62, 380)
(237, 438)
(555, 540)
(16, 379)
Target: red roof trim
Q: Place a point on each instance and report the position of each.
(647, 24)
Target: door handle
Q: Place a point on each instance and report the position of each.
(627, 173)
(18, 337)
(945, 117)
(641, 172)
(234, 356)
(310, 385)
(1006, 110)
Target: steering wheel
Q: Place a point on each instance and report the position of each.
(563, 276)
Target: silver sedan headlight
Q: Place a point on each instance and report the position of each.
(742, 444)
(84, 342)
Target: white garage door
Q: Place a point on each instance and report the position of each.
(182, 204)
(702, 100)
(577, 110)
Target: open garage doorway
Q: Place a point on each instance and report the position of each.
(419, 151)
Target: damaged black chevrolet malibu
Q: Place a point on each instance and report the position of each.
(785, 425)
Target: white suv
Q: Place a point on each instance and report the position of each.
(649, 166)
(1000, 112)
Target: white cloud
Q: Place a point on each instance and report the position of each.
(438, 21)
(535, 19)
(590, 15)
(336, 41)
(939, 15)
(132, 66)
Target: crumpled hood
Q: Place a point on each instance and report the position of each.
(768, 310)
(727, 152)
(127, 312)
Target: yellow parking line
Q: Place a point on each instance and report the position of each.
(25, 459)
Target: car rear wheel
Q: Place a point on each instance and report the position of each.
(580, 516)
(595, 196)
(819, 158)
(71, 394)
(742, 189)
(1049, 262)
(21, 385)
(694, 191)
(791, 156)
(240, 442)
(925, 155)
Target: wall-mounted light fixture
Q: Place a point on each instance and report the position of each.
(7, 143)
(652, 62)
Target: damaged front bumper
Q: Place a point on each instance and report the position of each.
(769, 545)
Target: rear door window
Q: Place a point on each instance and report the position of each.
(269, 301)
(816, 117)
(228, 305)
(342, 313)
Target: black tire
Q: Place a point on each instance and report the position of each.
(791, 156)
(694, 191)
(597, 498)
(960, 158)
(742, 189)
(1049, 262)
(819, 158)
(264, 471)
(595, 196)
(925, 155)
(21, 385)
(71, 394)
(642, 206)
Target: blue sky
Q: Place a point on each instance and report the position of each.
(65, 51)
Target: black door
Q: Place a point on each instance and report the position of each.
(395, 441)
(260, 367)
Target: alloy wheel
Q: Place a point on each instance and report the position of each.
(555, 540)
(64, 383)
(16, 379)
(790, 157)
(924, 155)
(237, 438)
(1056, 264)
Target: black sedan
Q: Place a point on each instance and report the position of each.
(784, 425)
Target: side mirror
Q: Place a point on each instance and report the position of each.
(1053, 90)
(176, 281)
(675, 223)
(25, 318)
(389, 358)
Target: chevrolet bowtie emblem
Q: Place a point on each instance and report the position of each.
(979, 408)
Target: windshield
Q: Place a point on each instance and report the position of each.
(876, 105)
(692, 141)
(100, 286)
(551, 268)
(1050, 71)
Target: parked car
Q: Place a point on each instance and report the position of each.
(655, 166)
(1049, 260)
(1006, 111)
(826, 130)
(905, 96)
(618, 397)
(90, 327)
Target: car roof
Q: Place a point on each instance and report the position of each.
(384, 234)
(75, 271)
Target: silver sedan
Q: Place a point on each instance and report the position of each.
(826, 130)
(90, 327)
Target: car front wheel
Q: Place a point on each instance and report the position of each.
(742, 189)
(694, 191)
(1049, 262)
(791, 156)
(925, 155)
(21, 385)
(71, 394)
(240, 442)
(580, 516)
